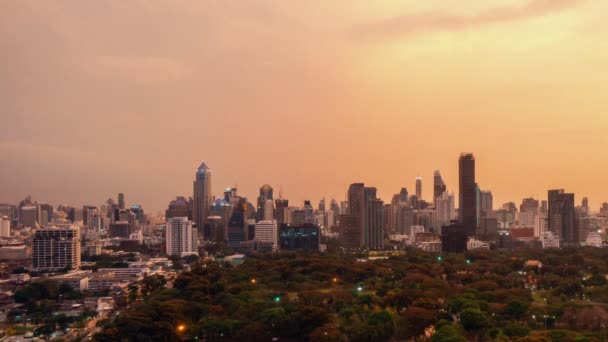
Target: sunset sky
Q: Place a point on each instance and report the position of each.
(101, 97)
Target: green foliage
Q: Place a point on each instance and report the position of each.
(448, 333)
(516, 330)
(473, 320)
(401, 298)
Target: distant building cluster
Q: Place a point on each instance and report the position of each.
(45, 238)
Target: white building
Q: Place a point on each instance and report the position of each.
(550, 240)
(268, 210)
(473, 243)
(594, 239)
(267, 231)
(445, 209)
(180, 237)
(5, 226)
(415, 230)
(540, 224)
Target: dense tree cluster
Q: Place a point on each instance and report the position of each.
(482, 295)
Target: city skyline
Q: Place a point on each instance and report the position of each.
(253, 198)
(347, 91)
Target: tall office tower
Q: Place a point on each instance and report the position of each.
(604, 209)
(403, 196)
(530, 205)
(334, 206)
(46, 214)
(487, 203)
(56, 248)
(445, 209)
(231, 196)
(5, 226)
(585, 203)
(467, 192)
(27, 216)
(405, 218)
(344, 208)
(138, 211)
(419, 188)
(181, 238)
(202, 195)
(86, 211)
(268, 210)
(11, 211)
(544, 206)
(120, 229)
(374, 234)
(561, 217)
(438, 186)
(322, 205)
(366, 210)
(236, 224)
(280, 205)
(121, 201)
(222, 209)
(309, 213)
(267, 231)
(179, 207)
(266, 193)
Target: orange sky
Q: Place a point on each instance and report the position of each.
(108, 96)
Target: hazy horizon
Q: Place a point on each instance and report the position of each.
(130, 96)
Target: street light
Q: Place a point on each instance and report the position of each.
(253, 280)
(181, 328)
(359, 288)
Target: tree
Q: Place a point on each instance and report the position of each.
(448, 333)
(516, 330)
(473, 320)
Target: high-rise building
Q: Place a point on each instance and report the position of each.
(121, 201)
(438, 186)
(467, 193)
(585, 203)
(181, 238)
(419, 188)
(561, 217)
(56, 248)
(5, 226)
(281, 205)
(403, 196)
(28, 216)
(179, 207)
(367, 211)
(487, 203)
(268, 210)
(11, 211)
(334, 206)
(529, 205)
(604, 209)
(202, 195)
(236, 224)
(267, 231)
(444, 204)
(322, 205)
(266, 193)
(120, 229)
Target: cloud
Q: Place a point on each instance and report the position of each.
(433, 21)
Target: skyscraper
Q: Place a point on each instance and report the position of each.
(438, 186)
(467, 193)
(202, 195)
(561, 217)
(419, 188)
(5, 226)
(487, 203)
(121, 201)
(365, 213)
(281, 205)
(266, 193)
(180, 237)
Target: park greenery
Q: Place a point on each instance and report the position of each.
(412, 295)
